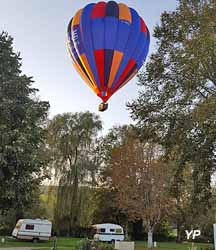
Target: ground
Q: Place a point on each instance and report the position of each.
(69, 243)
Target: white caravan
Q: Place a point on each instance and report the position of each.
(35, 230)
(108, 232)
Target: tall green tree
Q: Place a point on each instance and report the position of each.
(22, 122)
(176, 106)
(72, 141)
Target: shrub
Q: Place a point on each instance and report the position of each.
(93, 245)
(105, 247)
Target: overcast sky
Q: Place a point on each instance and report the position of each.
(39, 31)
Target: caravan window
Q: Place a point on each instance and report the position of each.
(29, 227)
(102, 230)
(119, 231)
(112, 230)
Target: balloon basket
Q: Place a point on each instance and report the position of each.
(103, 107)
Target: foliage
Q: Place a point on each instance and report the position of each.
(106, 207)
(141, 179)
(22, 121)
(72, 142)
(39, 209)
(7, 222)
(93, 245)
(106, 196)
(176, 106)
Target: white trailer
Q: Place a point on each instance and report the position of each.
(108, 232)
(35, 230)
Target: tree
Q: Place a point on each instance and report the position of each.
(141, 181)
(72, 142)
(22, 133)
(107, 209)
(176, 106)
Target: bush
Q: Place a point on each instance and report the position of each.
(93, 245)
(105, 247)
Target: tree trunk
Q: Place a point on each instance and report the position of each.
(150, 238)
(74, 203)
(179, 233)
(126, 230)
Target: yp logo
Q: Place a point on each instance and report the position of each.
(192, 234)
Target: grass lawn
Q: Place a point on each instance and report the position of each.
(175, 246)
(69, 243)
(62, 242)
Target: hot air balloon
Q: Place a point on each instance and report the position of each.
(108, 44)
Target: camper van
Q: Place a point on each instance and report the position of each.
(108, 232)
(35, 230)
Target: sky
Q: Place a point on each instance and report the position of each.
(39, 31)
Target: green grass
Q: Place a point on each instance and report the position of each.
(174, 246)
(65, 243)
(62, 242)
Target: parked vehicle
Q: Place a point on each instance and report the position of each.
(108, 232)
(35, 230)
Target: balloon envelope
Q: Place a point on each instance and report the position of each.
(108, 43)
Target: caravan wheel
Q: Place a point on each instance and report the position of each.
(35, 240)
